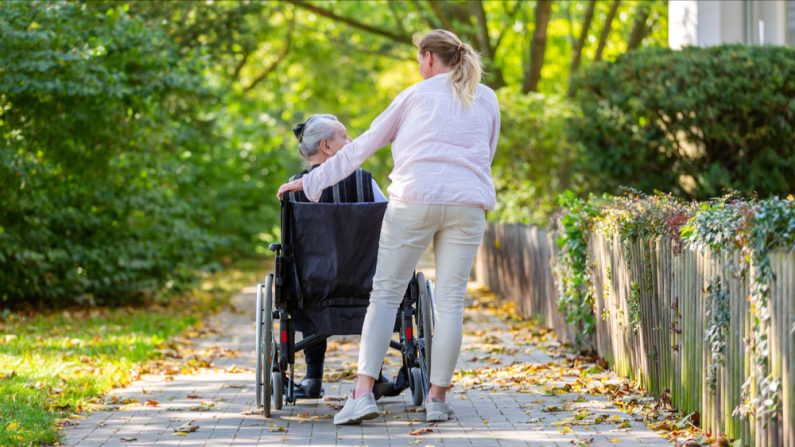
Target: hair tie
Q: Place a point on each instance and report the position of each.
(298, 131)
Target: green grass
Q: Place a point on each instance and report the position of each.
(55, 365)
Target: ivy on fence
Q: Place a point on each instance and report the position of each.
(753, 227)
(717, 328)
(575, 296)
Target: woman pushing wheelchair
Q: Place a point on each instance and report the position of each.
(444, 132)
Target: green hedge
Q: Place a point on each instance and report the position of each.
(691, 122)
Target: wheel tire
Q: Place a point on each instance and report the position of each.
(258, 373)
(267, 345)
(278, 390)
(426, 320)
(417, 395)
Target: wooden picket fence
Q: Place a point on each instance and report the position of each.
(665, 349)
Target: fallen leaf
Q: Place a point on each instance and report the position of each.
(421, 431)
(204, 406)
(187, 428)
(152, 403)
(129, 439)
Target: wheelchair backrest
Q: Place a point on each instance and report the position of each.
(334, 248)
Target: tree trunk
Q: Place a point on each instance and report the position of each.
(538, 45)
(441, 15)
(639, 28)
(606, 30)
(575, 58)
(484, 42)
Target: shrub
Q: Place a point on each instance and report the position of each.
(692, 122)
(96, 111)
(533, 163)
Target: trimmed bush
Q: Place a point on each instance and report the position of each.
(692, 122)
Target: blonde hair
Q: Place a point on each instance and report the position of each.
(464, 62)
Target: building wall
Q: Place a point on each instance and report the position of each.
(715, 22)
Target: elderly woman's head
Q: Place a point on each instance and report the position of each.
(320, 137)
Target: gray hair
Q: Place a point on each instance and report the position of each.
(310, 132)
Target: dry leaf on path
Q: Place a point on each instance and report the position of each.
(129, 439)
(187, 428)
(421, 431)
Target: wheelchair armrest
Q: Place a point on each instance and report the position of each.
(275, 247)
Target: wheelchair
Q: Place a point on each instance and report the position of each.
(323, 275)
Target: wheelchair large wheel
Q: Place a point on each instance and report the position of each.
(267, 345)
(425, 323)
(258, 373)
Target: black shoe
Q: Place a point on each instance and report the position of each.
(384, 387)
(402, 380)
(309, 389)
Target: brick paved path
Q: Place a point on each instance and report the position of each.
(488, 412)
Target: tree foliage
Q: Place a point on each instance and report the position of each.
(144, 140)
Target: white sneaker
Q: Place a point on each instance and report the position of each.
(357, 410)
(437, 410)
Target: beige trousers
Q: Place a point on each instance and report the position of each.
(407, 230)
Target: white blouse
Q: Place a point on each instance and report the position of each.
(442, 151)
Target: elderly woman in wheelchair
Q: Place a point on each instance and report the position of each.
(320, 137)
(323, 277)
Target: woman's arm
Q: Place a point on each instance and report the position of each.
(495, 129)
(353, 154)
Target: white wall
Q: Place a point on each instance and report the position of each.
(715, 22)
(682, 23)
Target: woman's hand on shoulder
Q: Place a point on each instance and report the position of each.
(295, 185)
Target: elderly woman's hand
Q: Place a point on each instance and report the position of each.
(295, 185)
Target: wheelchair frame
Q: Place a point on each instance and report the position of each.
(275, 352)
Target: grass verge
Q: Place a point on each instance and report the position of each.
(55, 365)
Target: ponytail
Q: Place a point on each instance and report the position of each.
(465, 75)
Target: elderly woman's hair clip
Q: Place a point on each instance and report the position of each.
(298, 131)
